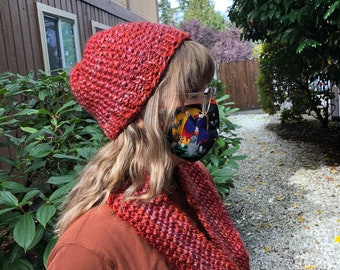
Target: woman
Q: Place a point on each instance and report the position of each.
(143, 202)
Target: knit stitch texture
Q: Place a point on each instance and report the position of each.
(120, 70)
(169, 230)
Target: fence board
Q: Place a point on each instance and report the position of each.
(240, 83)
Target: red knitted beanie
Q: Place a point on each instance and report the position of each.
(120, 70)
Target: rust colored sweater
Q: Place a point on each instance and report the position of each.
(98, 240)
(192, 231)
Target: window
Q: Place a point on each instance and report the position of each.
(59, 38)
(97, 27)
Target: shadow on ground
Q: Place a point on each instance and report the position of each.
(310, 131)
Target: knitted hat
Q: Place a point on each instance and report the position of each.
(120, 70)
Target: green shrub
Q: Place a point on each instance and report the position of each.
(222, 161)
(51, 138)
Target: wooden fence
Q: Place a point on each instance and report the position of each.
(239, 79)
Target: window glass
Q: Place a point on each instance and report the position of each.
(52, 40)
(69, 46)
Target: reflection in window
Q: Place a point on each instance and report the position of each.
(60, 43)
(52, 39)
(69, 46)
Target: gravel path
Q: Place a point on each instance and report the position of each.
(286, 201)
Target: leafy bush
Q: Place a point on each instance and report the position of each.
(222, 161)
(50, 138)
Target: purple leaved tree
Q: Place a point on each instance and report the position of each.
(229, 47)
(200, 33)
(226, 46)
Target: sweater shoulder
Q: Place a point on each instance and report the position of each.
(101, 235)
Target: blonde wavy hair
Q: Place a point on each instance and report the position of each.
(141, 152)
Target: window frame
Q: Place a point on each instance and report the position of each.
(45, 10)
(97, 25)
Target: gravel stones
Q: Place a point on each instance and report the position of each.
(286, 200)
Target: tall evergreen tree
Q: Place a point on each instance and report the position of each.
(166, 13)
(204, 12)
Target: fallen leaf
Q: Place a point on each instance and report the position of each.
(266, 248)
(310, 267)
(319, 212)
(280, 198)
(334, 170)
(337, 239)
(301, 219)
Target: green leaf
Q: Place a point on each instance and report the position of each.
(214, 160)
(43, 93)
(68, 130)
(45, 213)
(239, 157)
(5, 210)
(18, 265)
(232, 163)
(67, 157)
(44, 111)
(224, 172)
(27, 112)
(39, 233)
(29, 196)
(60, 179)
(2, 111)
(24, 231)
(66, 105)
(14, 186)
(331, 9)
(13, 87)
(48, 249)
(7, 198)
(87, 152)
(307, 43)
(230, 151)
(41, 150)
(29, 129)
(62, 191)
(37, 164)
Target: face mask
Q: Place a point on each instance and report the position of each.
(193, 132)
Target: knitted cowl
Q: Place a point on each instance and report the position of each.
(169, 230)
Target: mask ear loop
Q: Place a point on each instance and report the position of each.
(209, 94)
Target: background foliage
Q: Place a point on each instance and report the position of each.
(302, 45)
(226, 46)
(51, 138)
(208, 28)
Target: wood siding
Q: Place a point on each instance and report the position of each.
(240, 81)
(20, 45)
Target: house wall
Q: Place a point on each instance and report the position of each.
(147, 9)
(20, 44)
